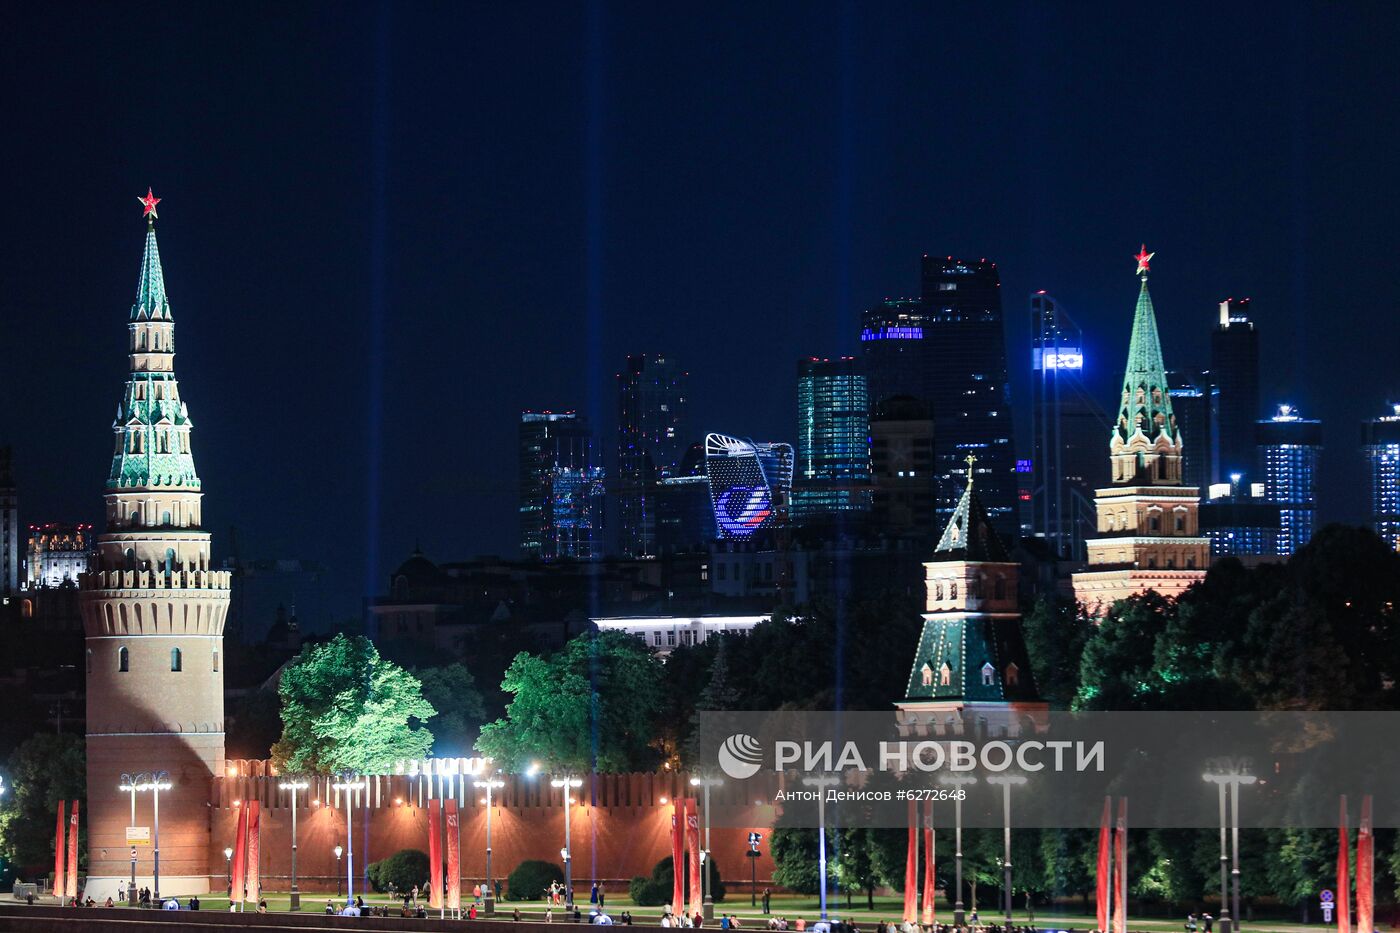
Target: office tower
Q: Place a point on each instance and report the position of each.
(1234, 368)
(1068, 429)
(651, 438)
(561, 488)
(9, 530)
(1240, 521)
(685, 517)
(894, 350)
(1380, 438)
(901, 465)
(1195, 403)
(1289, 445)
(833, 440)
(1147, 520)
(750, 484)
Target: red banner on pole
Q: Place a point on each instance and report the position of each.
(1101, 888)
(435, 854)
(911, 867)
(928, 864)
(240, 852)
(253, 875)
(1343, 871)
(454, 855)
(59, 851)
(1120, 906)
(692, 835)
(1365, 870)
(71, 882)
(678, 856)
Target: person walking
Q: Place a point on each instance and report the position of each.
(593, 893)
(767, 898)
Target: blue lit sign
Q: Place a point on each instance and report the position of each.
(1023, 466)
(893, 333)
(1061, 358)
(741, 510)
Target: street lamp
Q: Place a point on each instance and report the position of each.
(338, 853)
(489, 784)
(228, 870)
(294, 786)
(155, 782)
(1006, 781)
(1229, 784)
(708, 900)
(821, 782)
(131, 891)
(349, 784)
(567, 784)
(957, 781)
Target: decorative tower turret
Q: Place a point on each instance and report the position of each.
(153, 613)
(1147, 521)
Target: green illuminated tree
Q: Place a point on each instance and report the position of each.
(344, 708)
(42, 771)
(451, 690)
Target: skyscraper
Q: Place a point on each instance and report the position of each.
(750, 484)
(651, 438)
(1067, 428)
(153, 612)
(1195, 402)
(948, 348)
(901, 464)
(1234, 368)
(1380, 438)
(1289, 446)
(833, 439)
(1148, 521)
(9, 530)
(561, 488)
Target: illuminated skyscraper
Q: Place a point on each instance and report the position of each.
(561, 488)
(1289, 446)
(1195, 402)
(750, 484)
(1067, 428)
(1380, 438)
(651, 439)
(1234, 369)
(833, 439)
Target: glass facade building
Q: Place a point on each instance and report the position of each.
(901, 464)
(750, 484)
(651, 439)
(833, 439)
(562, 490)
(1234, 370)
(1380, 440)
(1195, 402)
(1289, 446)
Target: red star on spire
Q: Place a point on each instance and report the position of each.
(149, 202)
(1143, 258)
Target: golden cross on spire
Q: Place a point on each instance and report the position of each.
(970, 460)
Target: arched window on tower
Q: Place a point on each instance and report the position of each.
(175, 659)
(123, 660)
(169, 552)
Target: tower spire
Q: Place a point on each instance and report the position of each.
(151, 302)
(1146, 405)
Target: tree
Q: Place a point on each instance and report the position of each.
(404, 869)
(1055, 634)
(45, 769)
(344, 708)
(591, 706)
(451, 690)
(795, 861)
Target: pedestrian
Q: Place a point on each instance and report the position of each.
(498, 889)
(602, 896)
(767, 897)
(724, 921)
(415, 895)
(515, 915)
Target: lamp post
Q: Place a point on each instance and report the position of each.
(1229, 778)
(957, 781)
(338, 853)
(131, 891)
(821, 782)
(228, 870)
(567, 783)
(1006, 781)
(349, 784)
(489, 784)
(294, 786)
(155, 782)
(707, 901)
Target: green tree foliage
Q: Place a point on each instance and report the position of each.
(403, 870)
(451, 690)
(591, 706)
(344, 708)
(531, 878)
(1055, 634)
(44, 769)
(795, 859)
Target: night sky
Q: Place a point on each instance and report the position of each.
(388, 229)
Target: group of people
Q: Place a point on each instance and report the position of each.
(1202, 922)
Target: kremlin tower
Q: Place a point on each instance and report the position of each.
(1147, 521)
(153, 614)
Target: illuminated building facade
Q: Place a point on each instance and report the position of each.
(833, 439)
(1380, 438)
(1067, 431)
(58, 555)
(1234, 368)
(651, 438)
(750, 484)
(153, 613)
(1148, 522)
(1195, 402)
(901, 464)
(561, 488)
(1240, 521)
(893, 348)
(1289, 447)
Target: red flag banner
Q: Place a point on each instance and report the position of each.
(911, 867)
(59, 851)
(240, 852)
(1105, 840)
(1120, 906)
(678, 856)
(71, 881)
(1343, 871)
(435, 854)
(692, 835)
(928, 864)
(1365, 870)
(253, 874)
(454, 854)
